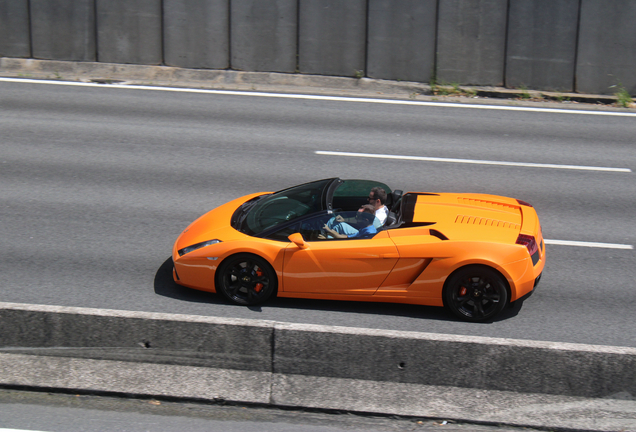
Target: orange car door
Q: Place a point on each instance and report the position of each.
(339, 266)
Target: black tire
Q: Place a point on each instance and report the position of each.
(246, 279)
(476, 293)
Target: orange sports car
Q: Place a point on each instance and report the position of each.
(472, 253)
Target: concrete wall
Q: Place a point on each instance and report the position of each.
(15, 40)
(264, 35)
(562, 45)
(471, 41)
(129, 31)
(196, 33)
(63, 30)
(541, 51)
(332, 37)
(401, 40)
(290, 350)
(607, 46)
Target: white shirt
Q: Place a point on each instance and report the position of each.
(382, 213)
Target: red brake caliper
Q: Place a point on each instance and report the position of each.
(259, 286)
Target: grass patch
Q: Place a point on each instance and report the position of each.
(623, 98)
(524, 95)
(452, 89)
(562, 98)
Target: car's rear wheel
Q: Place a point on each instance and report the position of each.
(246, 279)
(476, 293)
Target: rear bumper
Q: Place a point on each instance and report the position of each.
(527, 274)
(534, 288)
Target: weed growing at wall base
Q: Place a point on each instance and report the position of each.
(562, 98)
(623, 98)
(453, 89)
(524, 93)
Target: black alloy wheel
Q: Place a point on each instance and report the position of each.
(476, 293)
(246, 279)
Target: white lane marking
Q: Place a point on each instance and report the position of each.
(588, 244)
(18, 430)
(327, 98)
(471, 161)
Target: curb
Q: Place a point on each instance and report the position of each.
(463, 378)
(148, 380)
(111, 73)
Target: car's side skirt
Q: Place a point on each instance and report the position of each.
(424, 301)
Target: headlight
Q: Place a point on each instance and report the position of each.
(194, 247)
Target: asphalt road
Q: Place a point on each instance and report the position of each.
(97, 183)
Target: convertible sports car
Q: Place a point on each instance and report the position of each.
(472, 253)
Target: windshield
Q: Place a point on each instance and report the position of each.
(280, 207)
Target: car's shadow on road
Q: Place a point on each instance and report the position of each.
(165, 286)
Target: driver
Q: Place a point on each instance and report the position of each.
(365, 216)
(377, 198)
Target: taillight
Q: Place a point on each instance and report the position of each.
(529, 242)
(523, 203)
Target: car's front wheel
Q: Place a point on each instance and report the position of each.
(476, 293)
(246, 279)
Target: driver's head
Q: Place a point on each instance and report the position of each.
(377, 197)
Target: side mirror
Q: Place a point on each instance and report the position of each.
(298, 240)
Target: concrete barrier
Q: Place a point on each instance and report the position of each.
(607, 43)
(264, 35)
(585, 46)
(134, 378)
(196, 33)
(401, 39)
(297, 365)
(15, 39)
(541, 49)
(129, 31)
(471, 41)
(332, 37)
(455, 361)
(63, 30)
(138, 337)
(321, 351)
